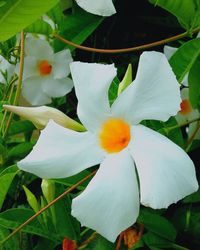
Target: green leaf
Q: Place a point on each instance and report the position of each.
(193, 198)
(56, 14)
(157, 224)
(12, 243)
(77, 27)
(186, 11)
(113, 90)
(5, 180)
(194, 84)
(66, 225)
(16, 15)
(32, 201)
(13, 218)
(21, 150)
(20, 127)
(70, 181)
(127, 80)
(153, 241)
(39, 27)
(184, 58)
(100, 243)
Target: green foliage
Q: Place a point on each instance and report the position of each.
(39, 27)
(77, 27)
(185, 57)
(157, 224)
(187, 11)
(99, 243)
(16, 15)
(6, 178)
(194, 84)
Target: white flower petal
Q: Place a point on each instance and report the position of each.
(110, 203)
(5, 66)
(33, 92)
(38, 48)
(61, 152)
(61, 63)
(154, 94)
(169, 51)
(57, 87)
(91, 83)
(30, 67)
(166, 172)
(98, 7)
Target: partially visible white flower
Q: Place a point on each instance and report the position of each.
(45, 73)
(98, 7)
(116, 141)
(187, 113)
(6, 69)
(169, 51)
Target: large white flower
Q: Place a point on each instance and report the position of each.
(6, 69)
(45, 73)
(187, 113)
(117, 142)
(98, 7)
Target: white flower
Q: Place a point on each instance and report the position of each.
(98, 7)
(117, 142)
(7, 69)
(45, 73)
(187, 113)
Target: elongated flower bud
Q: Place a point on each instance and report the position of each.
(40, 116)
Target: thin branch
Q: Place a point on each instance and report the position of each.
(46, 207)
(182, 125)
(190, 140)
(125, 50)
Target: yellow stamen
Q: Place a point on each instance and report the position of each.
(114, 135)
(44, 68)
(185, 107)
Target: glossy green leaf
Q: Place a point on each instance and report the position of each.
(5, 180)
(32, 201)
(12, 218)
(193, 198)
(154, 241)
(157, 224)
(100, 243)
(16, 15)
(20, 127)
(39, 27)
(187, 11)
(126, 80)
(194, 84)
(184, 58)
(21, 150)
(77, 27)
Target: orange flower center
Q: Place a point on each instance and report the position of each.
(44, 68)
(185, 107)
(114, 135)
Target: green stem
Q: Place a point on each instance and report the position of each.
(181, 125)
(18, 91)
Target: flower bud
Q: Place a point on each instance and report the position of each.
(40, 116)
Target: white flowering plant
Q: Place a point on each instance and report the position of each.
(99, 124)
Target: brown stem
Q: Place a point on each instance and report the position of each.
(125, 50)
(46, 207)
